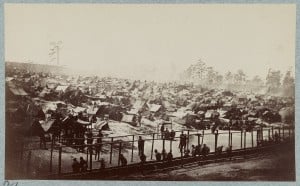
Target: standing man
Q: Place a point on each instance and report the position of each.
(162, 131)
(99, 145)
(141, 144)
(182, 142)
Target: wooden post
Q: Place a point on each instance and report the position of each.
(198, 135)
(202, 137)
(282, 133)
(87, 153)
(269, 134)
(272, 132)
(28, 163)
(245, 135)
(59, 160)
(257, 134)
(241, 139)
(170, 145)
(252, 139)
(262, 134)
(91, 156)
(181, 156)
(111, 149)
(132, 148)
(229, 134)
(120, 149)
(51, 153)
(231, 139)
(153, 135)
(164, 144)
(279, 133)
(216, 141)
(289, 133)
(188, 139)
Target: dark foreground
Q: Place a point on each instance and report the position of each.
(269, 166)
(273, 162)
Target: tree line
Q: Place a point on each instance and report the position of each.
(275, 80)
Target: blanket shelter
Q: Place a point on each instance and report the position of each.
(128, 118)
(61, 88)
(100, 125)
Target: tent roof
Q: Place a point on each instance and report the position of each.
(46, 125)
(18, 91)
(127, 118)
(61, 88)
(154, 107)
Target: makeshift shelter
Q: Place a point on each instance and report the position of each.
(100, 125)
(128, 118)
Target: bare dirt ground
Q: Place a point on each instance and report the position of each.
(275, 166)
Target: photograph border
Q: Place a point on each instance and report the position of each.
(138, 183)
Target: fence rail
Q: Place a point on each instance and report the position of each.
(112, 148)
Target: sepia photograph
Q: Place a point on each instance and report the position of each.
(150, 92)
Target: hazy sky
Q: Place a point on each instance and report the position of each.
(153, 41)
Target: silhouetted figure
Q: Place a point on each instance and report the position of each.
(102, 164)
(205, 150)
(143, 158)
(157, 155)
(162, 130)
(83, 165)
(164, 154)
(167, 134)
(98, 147)
(75, 166)
(123, 160)
(141, 144)
(187, 153)
(170, 156)
(182, 141)
(172, 135)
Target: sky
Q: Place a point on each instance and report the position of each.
(153, 41)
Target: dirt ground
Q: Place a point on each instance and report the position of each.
(275, 166)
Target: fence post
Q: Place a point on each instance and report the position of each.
(59, 159)
(252, 138)
(132, 148)
(257, 134)
(216, 140)
(198, 135)
(241, 138)
(164, 144)
(171, 145)
(111, 149)
(245, 135)
(269, 134)
(282, 133)
(91, 156)
(262, 134)
(229, 134)
(87, 153)
(231, 139)
(202, 137)
(188, 139)
(51, 153)
(120, 149)
(181, 156)
(279, 131)
(153, 135)
(272, 132)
